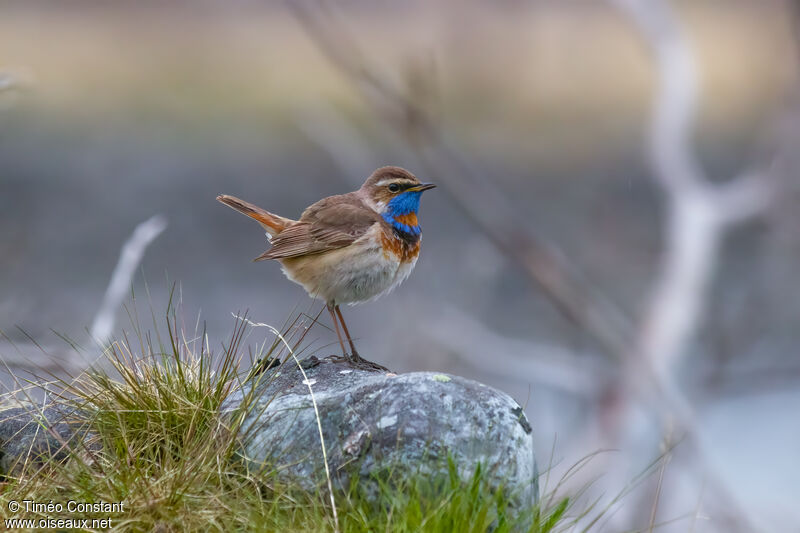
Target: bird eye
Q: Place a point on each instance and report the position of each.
(393, 187)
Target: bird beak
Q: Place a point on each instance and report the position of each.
(422, 187)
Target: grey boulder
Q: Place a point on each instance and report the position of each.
(31, 436)
(371, 420)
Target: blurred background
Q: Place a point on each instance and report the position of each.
(566, 260)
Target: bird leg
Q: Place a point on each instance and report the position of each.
(354, 359)
(336, 325)
(357, 358)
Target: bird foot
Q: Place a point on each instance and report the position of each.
(339, 358)
(358, 362)
(364, 364)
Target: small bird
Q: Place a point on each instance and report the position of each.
(348, 248)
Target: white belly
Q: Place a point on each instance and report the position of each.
(354, 274)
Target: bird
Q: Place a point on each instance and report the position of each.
(348, 248)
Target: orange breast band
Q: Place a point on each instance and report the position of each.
(409, 220)
(401, 250)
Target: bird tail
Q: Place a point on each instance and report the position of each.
(274, 224)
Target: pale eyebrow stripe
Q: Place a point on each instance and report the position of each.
(395, 180)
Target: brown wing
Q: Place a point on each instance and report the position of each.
(331, 223)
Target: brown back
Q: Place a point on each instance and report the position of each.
(331, 223)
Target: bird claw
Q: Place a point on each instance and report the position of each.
(358, 362)
(339, 358)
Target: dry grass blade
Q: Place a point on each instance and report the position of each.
(316, 412)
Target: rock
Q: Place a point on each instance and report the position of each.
(369, 419)
(32, 436)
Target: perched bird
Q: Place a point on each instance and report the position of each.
(348, 248)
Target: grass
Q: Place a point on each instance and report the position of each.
(161, 446)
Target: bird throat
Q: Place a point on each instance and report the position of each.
(401, 214)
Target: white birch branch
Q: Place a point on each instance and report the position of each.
(698, 215)
(698, 212)
(16, 79)
(6, 82)
(129, 259)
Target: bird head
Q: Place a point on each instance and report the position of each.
(394, 192)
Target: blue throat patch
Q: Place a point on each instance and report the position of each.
(403, 204)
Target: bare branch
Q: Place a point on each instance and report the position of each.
(676, 98)
(515, 358)
(331, 132)
(16, 79)
(129, 258)
(6, 81)
(699, 212)
(746, 197)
